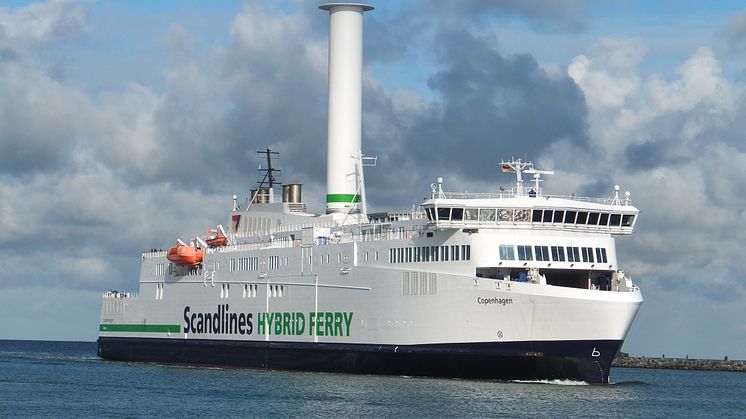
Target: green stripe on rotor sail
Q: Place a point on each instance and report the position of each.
(142, 328)
(342, 197)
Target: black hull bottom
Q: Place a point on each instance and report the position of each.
(587, 361)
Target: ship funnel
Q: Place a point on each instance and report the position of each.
(344, 159)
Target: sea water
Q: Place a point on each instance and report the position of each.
(64, 379)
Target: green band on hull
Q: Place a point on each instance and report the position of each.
(345, 198)
(141, 328)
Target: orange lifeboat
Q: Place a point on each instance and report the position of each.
(185, 255)
(215, 238)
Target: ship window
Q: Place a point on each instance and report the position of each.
(376, 255)
(524, 253)
(593, 218)
(558, 253)
(601, 255)
(570, 217)
(627, 220)
(504, 214)
(487, 214)
(454, 252)
(366, 256)
(471, 214)
(582, 217)
(547, 216)
(457, 214)
(542, 253)
(558, 216)
(573, 254)
(434, 250)
(465, 252)
(614, 220)
(429, 212)
(445, 253)
(588, 254)
(232, 265)
(536, 216)
(507, 252)
(444, 214)
(409, 254)
(604, 220)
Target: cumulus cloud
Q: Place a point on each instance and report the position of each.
(43, 22)
(670, 139)
(734, 32)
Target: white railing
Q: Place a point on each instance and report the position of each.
(527, 192)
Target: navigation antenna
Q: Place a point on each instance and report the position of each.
(269, 178)
(519, 167)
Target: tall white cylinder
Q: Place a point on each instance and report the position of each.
(345, 105)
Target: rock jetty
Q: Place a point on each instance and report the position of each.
(626, 361)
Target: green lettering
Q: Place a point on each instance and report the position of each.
(348, 321)
(337, 323)
(319, 324)
(300, 323)
(286, 330)
(277, 318)
(329, 323)
(261, 318)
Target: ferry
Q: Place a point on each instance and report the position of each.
(511, 284)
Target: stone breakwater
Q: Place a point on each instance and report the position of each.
(679, 364)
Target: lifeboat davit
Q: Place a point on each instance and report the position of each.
(185, 255)
(215, 238)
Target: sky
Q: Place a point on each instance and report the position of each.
(127, 124)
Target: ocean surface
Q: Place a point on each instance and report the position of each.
(66, 379)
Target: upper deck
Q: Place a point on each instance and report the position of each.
(529, 208)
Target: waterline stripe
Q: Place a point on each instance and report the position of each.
(142, 328)
(342, 197)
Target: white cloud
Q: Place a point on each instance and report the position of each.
(667, 140)
(43, 22)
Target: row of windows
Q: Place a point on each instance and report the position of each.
(249, 291)
(524, 215)
(430, 253)
(553, 253)
(243, 264)
(582, 218)
(252, 263)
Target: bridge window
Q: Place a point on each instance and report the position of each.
(524, 253)
(444, 214)
(507, 252)
(430, 214)
(582, 217)
(505, 214)
(615, 219)
(628, 220)
(471, 214)
(536, 216)
(604, 220)
(558, 216)
(570, 217)
(487, 214)
(593, 219)
(547, 216)
(457, 214)
(558, 253)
